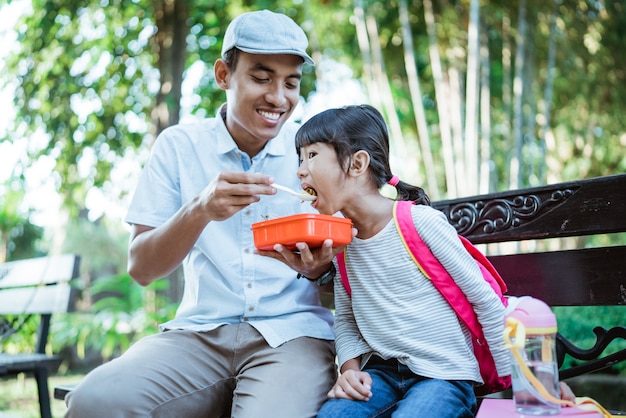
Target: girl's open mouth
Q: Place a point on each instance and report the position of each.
(311, 191)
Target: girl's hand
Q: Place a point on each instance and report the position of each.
(566, 392)
(352, 384)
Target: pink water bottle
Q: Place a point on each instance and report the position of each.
(538, 353)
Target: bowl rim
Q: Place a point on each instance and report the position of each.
(301, 216)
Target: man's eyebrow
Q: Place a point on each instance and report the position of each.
(262, 67)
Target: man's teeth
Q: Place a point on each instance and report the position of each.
(272, 116)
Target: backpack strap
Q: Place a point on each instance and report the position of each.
(432, 268)
(341, 263)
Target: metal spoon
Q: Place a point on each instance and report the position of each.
(302, 195)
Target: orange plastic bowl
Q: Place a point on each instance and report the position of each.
(311, 228)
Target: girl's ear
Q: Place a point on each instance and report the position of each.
(359, 163)
(222, 74)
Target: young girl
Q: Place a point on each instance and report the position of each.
(401, 349)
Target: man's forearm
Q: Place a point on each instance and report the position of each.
(155, 252)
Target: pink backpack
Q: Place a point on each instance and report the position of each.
(432, 268)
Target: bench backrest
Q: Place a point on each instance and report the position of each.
(39, 286)
(589, 276)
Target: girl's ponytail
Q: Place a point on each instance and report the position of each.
(407, 191)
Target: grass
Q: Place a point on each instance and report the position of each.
(18, 396)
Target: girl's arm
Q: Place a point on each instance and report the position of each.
(349, 342)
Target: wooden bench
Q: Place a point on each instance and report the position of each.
(32, 288)
(581, 277)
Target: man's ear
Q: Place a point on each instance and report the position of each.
(359, 163)
(222, 74)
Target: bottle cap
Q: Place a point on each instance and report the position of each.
(535, 315)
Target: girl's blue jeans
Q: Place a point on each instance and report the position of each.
(398, 392)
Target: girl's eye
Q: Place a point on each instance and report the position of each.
(311, 154)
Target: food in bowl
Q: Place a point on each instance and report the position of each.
(312, 228)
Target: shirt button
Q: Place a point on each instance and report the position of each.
(249, 285)
(247, 213)
(250, 308)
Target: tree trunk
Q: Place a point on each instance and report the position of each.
(171, 19)
(366, 53)
(472, 100)
(485, 117)
(416, 99)
(4, 244)
(530, 158)
(441, 99)
(544, 129)
(396, 138)
(506, 85)
(455, 110)
(518, 87)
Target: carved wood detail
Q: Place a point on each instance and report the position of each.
(500, 214)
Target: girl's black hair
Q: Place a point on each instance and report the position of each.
(353, 128)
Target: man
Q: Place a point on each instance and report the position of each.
(249, 339)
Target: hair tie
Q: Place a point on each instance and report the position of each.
(393, 181)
